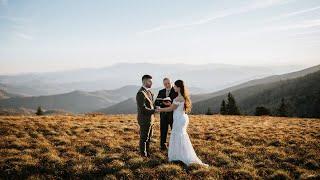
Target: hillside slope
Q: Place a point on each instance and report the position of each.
(76, 101)
(125, 107)
(129, 106)
(5, 95)
(201, 102)
(269, 79)
(92, 79)
(301, 94)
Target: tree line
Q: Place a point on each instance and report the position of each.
(229, 107)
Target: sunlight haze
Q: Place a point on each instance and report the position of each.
(42, 36)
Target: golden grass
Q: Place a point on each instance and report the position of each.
(106, 147)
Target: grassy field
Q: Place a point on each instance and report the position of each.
(106, 147)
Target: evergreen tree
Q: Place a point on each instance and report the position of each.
(283, 109)
(39, 111)
(223, 108)
(316, 106)
(232, 108)
(209, 112)
(260, 111)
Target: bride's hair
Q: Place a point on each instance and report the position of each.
(185, 93)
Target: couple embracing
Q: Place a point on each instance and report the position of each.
(180, 147)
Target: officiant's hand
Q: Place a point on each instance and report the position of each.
(167, 103)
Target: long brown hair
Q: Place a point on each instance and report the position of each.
(185, 94)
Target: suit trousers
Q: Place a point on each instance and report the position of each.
(166, 120)
(145, 138)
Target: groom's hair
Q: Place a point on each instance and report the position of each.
(146, 76)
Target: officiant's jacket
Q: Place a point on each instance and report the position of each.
(162, 94)
(145, 106)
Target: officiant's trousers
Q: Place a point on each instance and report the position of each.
(166, 120)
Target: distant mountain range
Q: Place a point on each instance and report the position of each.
(261, 92)
(127, 106)
(122, 100)
(75, 101)
(207, 78)
(5, 95)
(16, 111)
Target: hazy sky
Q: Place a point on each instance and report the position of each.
(47, 35)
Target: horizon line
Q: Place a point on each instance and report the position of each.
(137, 63)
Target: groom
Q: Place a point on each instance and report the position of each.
(145, 117)
(166, 118)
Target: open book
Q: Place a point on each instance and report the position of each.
(164, 99)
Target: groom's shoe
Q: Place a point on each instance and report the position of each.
(144, 155)
(148, 149)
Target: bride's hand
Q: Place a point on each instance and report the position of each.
(158, 109)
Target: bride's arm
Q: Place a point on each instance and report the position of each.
(169, 109)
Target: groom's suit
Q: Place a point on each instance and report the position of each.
(145, 118)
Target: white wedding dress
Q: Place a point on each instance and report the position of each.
(180, 147)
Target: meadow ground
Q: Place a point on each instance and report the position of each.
(106, 147)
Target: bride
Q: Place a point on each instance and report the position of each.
(180, 147)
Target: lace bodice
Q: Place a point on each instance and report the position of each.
(180, 108)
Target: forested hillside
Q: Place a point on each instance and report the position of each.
(301, 95)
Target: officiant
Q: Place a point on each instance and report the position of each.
(166, 118)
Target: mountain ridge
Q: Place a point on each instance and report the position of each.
(301, 95)
(196, 99)
(209, 77)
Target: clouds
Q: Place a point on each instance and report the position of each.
(237, 32)
(18, 26)
(280, 25)
(307, 33)
(14, 19)
(4, 2)
(306, 24)
(295, 13)
(23, 36)
(254, 5)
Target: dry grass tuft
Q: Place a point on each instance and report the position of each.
(106, 147)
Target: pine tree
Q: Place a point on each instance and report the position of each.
(223, 109)
(232, 108)
(39, 111)
(316, 106)
(209, 112)
(283, 110)
(261, 111)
